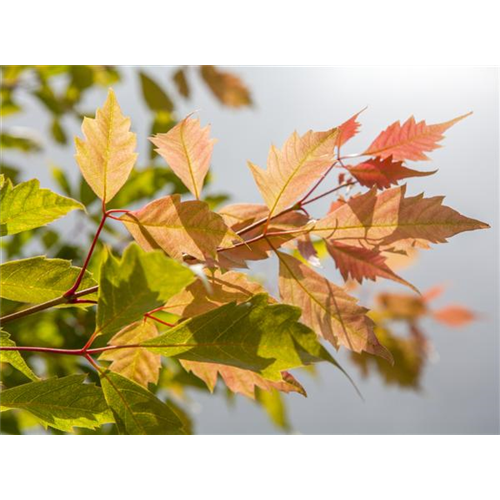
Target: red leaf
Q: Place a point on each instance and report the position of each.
(410, 140)
(348, 129)
(383, 173)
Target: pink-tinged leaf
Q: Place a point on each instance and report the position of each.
(187, 148)
(241, 381)
(383, 173)
(454, 316)
(327, 309)
(411, 140)
(358, 263)
(107, 156)
(222, 288)
(293, 169)
(349, 129)
(179, 228)
(281, 230)
(390, 220)
(306, 249)
(241, 215)
(139, 365)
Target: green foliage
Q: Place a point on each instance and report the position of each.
(136, 410)
(255, 336)
(39, 279)
(135, 284)
(62, 403)
(14, 358)
(26, 206)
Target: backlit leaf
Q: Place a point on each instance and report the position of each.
(348, 129)
(292, 170)
(136, 410)
(255, 336)
(62, 403)
(383, 173)
(138, 365)
(154, 95)
(179, 228)
(454, 315)
(411, 140)
(106, 156)
(326, 308)
(135, 284)
(187, 148)
(39, 279)
(14, 358)
(26, 206)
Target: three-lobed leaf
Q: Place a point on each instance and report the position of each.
(107, 155)
(137, 411)
(26, 206)
(38, 279)
(135, 284)
(62, 403)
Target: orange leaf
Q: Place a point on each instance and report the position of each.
(359, 263)
(383, 173)
(241, 381)
(292, 170)
(410, 140)
(454, 316)
(187, 148)
(349, 129)
(241, 215)
(227, 87)
(223, 288)
(179, 228)
(139, 365)
(327, 309)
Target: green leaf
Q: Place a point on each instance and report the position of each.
(136, 410)
(154, 95)
(62, 403)
(255, 336)
(24, 143)
(14, 358)
(39, 279)
(26, 206)
(58, 132)
(135, 284)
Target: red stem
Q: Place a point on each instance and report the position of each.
(79, 279)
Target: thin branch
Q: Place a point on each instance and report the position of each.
(47, 305)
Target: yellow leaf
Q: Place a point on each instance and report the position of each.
(187, 148)
(107, 156)
(327, 309)
(139, 365)
(292, 170)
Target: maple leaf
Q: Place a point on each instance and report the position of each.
(136, 410)
(26, 206)
(241, 381)
(134, 285)
(389, 219)
(402, 306)
(187, 148)
(199, 298)
(107, 156)
(241, 215)
(348, 129)
(383, 173)
(253, 335)
(454, 315)
(179, 228)
(136, 364)
(38, 279)
(358, 263)
(409, 141)
(14, 358)
(227, 87)
(326, 308)
(181, 82)
(291, 170)
(62, 403)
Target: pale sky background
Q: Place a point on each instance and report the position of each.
(460, 388)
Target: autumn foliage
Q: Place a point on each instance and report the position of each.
(179, 292)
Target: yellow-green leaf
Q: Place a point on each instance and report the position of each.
(14, 358)
(106, 156)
